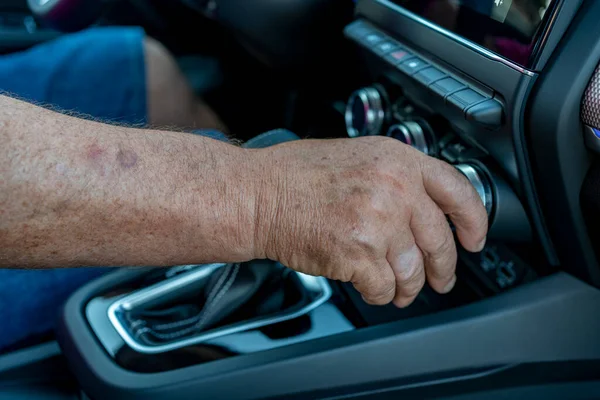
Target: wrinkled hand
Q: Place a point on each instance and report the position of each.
(371, 211)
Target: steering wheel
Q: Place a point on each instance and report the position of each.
(67, 15)
(74, 15)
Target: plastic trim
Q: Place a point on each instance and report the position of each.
(552, 319)
(467, 43)
(556, 142)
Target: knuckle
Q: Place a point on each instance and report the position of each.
(440, 274)
(365, 243)
(442, 271)
(441, 263)
(380, 293)
(363, 205)
(443, 248)
(409, 273)
(413, 287)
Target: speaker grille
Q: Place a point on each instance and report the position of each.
(590, 108)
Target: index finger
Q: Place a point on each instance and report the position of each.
(457, 198)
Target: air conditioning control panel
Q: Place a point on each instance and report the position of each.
(380, 109)
(477, 105)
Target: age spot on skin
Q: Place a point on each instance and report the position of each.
(127, 158)
(94, 152)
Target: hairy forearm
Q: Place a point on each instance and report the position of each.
(76, 192)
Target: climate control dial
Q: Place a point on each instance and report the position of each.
(365, 112)
(481, 184)
(415, 134)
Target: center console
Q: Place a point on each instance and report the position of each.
(171, 318)
(259, 330)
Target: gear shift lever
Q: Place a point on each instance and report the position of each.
(214, 300)
(227, 291)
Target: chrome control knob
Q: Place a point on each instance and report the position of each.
(480, 182)
(414, 134)
(365, 112)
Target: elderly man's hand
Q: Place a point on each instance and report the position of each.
(371, 211)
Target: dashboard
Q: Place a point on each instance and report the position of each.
(512, 28)
(458, 76)
(456, 79)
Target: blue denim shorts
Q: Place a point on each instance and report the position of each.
(100, 73)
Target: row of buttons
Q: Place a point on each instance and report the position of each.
(475, 106)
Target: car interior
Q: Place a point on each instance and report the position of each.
(508, 91)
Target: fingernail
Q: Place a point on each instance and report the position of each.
(450, 285)
(481, 245)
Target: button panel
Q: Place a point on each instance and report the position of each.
(386, 47)
(487, 113)
(357, 30)
(373, 38)
(447, 86)
(465, 98)
(413, 65)
(398, 56)
(477, 107)
(430, 75)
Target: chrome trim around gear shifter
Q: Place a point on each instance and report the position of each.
(318, 287)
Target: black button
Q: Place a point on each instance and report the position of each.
(456, 152)
(465, 98)
(429, 75)
(397, 56)
(498, 267)
(413, 65)
(386, 47)
(489, 114)
(446, 86)
(373, 38)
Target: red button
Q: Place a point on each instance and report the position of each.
(398, 55)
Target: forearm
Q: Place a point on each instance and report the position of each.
(76, 192)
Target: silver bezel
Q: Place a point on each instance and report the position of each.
(415, 133)
(318, 286)
(374, 112)
(482, 187)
